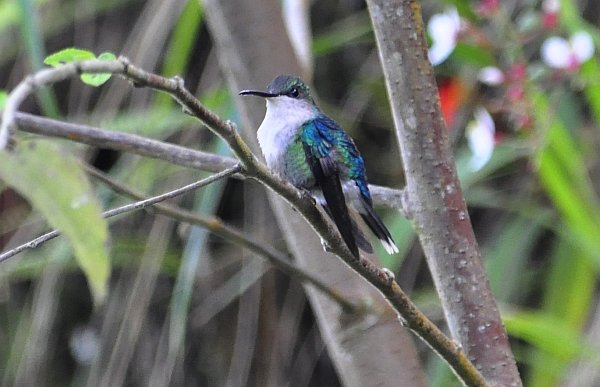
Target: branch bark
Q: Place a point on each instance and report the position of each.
(433, 191)
(232, 235)
(362, 362)
(124, 209)
(175, 154)
(253, 48)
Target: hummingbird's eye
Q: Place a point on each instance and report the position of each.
(294, 93)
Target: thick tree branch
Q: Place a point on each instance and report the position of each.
(434, 194)
(380, 278)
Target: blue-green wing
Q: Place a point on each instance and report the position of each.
(339, 160)
(322, 157)
(328, 136)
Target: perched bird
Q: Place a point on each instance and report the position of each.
(311, 151)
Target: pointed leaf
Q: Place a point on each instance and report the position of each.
(99, 78)
(68, 55)
(3, 98)
(107, 56)
(54, 184)
(550, 334)
(472, 54)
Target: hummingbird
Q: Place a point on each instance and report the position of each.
(310, 150)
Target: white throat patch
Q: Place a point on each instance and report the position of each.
(282, 120)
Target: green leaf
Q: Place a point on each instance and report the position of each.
(68, 55)
(351, 30)
(181, 46)
(73, 54)
(570, 284)
(107, 56)
(563, 175)
(589, 75)
(3, 98)
(54, 184)
(465, 9)
(469, 53)
(95, 79)
(555, 345)
(506, 257)
(550, 334)
(99, 78)
(9, 15)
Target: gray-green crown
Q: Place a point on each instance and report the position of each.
(284, 85)
(290, 86)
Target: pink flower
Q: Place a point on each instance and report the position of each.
(488, 7)
(550, 13)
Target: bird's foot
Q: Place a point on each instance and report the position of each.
(387, 275)
(326, 247)
(305, 194)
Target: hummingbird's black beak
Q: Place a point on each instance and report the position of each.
(258, 93)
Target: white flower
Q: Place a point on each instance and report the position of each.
(562, 54)
(84, 344)
(443, 29)
(480, 137)
(550, 6)
(491, 75)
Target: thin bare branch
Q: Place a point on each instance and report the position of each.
(160, 150)
(46, 77)
(232, 235)
(109, 139)
(380, 278)
(127, 208)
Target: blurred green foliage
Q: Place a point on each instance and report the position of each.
(40, 173)
(534, 205)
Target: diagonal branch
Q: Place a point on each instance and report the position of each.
(230, 234)
(380, 278)
(214, 225)
(126, 208)
(175, 154)
(434, 193)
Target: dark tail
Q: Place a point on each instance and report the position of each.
(361, 240)
(376, 225)
(337, 209)
(328, 179)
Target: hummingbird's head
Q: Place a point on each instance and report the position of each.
(286, 86)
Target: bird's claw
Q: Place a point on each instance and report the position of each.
(326, 247)
(387, 275)
(306, 195)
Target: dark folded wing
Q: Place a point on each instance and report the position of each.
(320, 157)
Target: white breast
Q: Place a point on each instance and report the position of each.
(283, 119)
